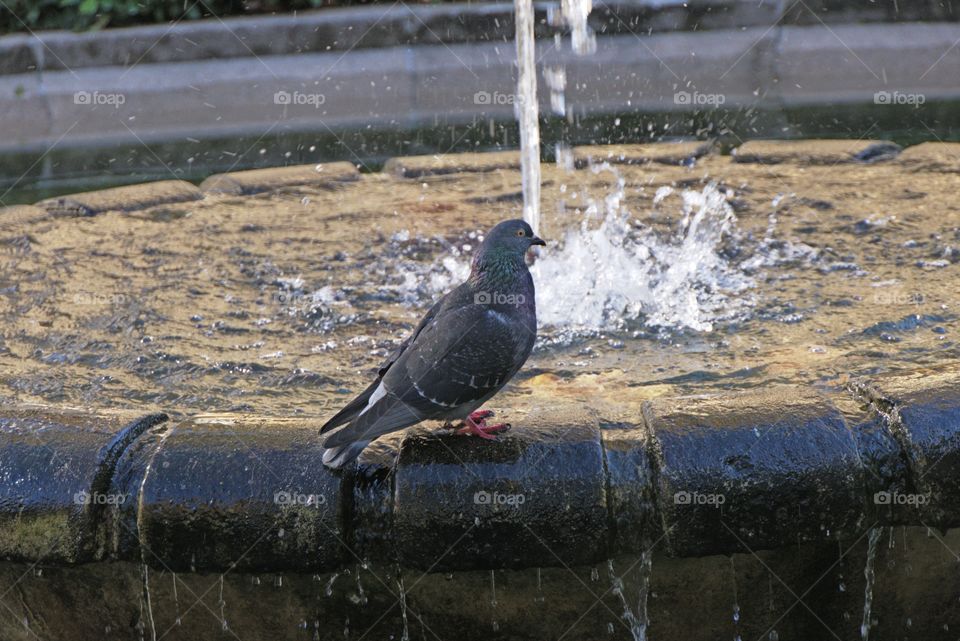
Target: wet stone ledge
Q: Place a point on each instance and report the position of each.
(707, 475)
(130, 198)
(814, 152)
(259, 180)
(754, 470)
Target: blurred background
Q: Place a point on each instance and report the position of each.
(96, 93)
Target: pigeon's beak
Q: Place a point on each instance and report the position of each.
(537, 241)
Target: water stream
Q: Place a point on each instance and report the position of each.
(869, 573)
(527, 111)
(635, 616)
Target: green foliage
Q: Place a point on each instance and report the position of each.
(84, 15)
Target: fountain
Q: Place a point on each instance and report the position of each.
(741, 370)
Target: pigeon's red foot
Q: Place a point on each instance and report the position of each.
(481, 416)
(480, 428)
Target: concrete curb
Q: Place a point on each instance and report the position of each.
(754, 67)
(347, 28)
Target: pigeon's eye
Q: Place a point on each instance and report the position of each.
(520, 232)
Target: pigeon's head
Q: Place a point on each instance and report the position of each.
(510, 236)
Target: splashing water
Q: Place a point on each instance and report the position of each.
(611, 269)
(607, 271)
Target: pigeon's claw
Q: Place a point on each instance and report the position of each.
(481, 429)
(480, 416)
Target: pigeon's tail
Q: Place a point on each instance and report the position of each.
(352, 409)
(337, 457)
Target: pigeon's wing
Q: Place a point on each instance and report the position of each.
(426, 320)
(354, 407)
(466, 357)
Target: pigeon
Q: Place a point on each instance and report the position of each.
(464, 350)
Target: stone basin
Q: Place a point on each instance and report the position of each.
(763, 438)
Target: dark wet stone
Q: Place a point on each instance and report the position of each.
(56, 468)
(905, 324)
(532, 499)
(926, 407)
(754, 471)
(232, 492)
(879, 152)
